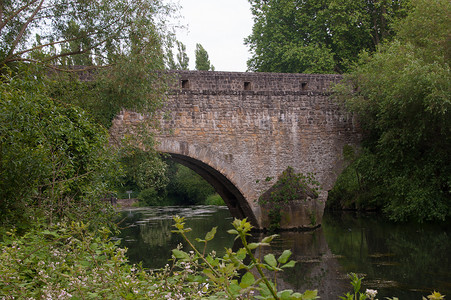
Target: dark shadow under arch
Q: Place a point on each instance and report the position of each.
(234, 199)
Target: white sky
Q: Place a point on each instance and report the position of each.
(220, 26)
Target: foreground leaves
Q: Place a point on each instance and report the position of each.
(221, 273)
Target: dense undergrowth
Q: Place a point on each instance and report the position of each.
(71, 261)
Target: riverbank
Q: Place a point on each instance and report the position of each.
(124, 203)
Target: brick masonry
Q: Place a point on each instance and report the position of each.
(237, 129)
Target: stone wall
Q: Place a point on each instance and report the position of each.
(238, 130)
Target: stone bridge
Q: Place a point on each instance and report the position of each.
(238, 129)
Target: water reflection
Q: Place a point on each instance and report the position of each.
(403, 260)
(407, 261)
(148, 237)
(316, 267)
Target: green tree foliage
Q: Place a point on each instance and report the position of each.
(182, 58)
(401, 95)
(160, 183)
(54, 160)
(119, 44)
(105, 56)
(74, 31)
(186, 186)
(145, 174)
(202, 61)
(144, 169)
(215, 199)
(112, 48)
(294, 36)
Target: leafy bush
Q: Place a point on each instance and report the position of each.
(187, 187)
(66, 261)
(222, 273)
(70, 261)
(151, 197)
(214, 199)
(54, 161)
(289, 186)
(401, 96)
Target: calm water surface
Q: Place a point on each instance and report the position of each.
(407, 261)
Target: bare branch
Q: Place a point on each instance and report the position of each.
(49, 44)
(16, 56)
(13, 15)
(84, 69)
(63, 54)
(22, 30)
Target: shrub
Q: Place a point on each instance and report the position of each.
(214, 199)
(54, 160)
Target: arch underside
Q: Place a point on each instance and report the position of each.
(234, 199)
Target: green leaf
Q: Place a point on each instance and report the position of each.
(290, 264)
(247, 280)
(180, 254)
(235, 288)
(93, 246)
(232, 231)
(285, 295)
(269, 239)
(284, 257)
(297, 296)
(241, 254)
(270, 259)
(211, 234)
(210, 274)
(253, 246)
(310, 295)
(264, 290)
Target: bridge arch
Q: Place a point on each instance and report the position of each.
(232, 196)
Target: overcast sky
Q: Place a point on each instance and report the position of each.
(220, 26)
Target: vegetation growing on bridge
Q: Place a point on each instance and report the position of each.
(290, 186)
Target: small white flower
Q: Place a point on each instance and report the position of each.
(371, 293)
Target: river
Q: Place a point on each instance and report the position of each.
(403, 260)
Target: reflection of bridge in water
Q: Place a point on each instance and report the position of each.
(237, 129)
(316, 267)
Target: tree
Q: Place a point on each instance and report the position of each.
(64, 163)
(401, 95)
(202, 61)
(96, 31)
(119, 39)
(317, 36)
(54, 160)
(182, 58)
(186, 186)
